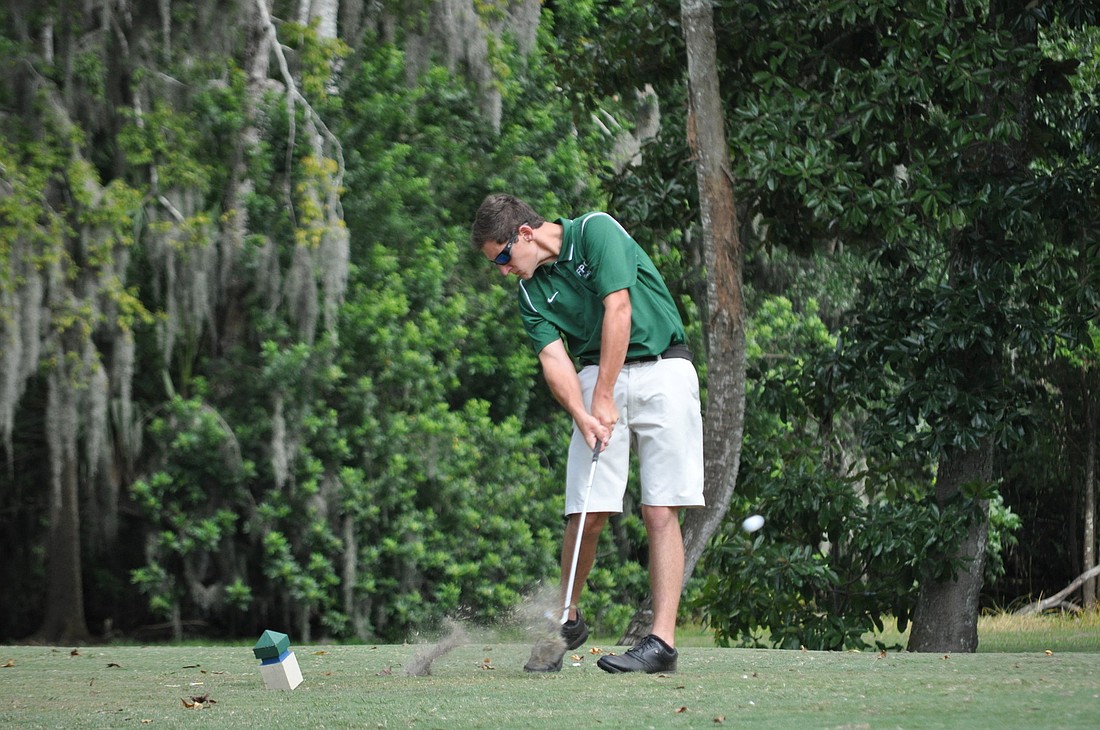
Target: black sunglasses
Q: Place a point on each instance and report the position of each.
(505, 254)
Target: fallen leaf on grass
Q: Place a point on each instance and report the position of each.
(322, 652)
(576, 657)
(682, 710)
(74, 652)
(595, 650)
(113, 664)
(719, 720)
(487, 663)
(1048, 652)
(197, 702)
(9, 663)
(191, 666)
(384, 672)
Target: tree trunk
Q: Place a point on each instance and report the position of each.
(946, 615)
(232, 318)
(324, 11)
(63, 619)
(1089, 595)
(725, 323)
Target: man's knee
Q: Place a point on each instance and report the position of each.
(660, 519)
(593, 523)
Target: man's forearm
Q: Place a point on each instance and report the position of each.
(614, 341)
(561, 378)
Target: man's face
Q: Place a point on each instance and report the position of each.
(509, 259)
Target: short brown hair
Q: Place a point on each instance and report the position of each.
(499, 217)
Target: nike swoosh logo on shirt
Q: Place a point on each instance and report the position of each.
(550, 299)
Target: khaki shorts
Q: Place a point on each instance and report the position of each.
(660, 420)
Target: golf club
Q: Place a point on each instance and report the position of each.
(580, 533)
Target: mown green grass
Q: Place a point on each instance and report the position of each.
(482, 685)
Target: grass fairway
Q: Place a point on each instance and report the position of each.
(482, 685)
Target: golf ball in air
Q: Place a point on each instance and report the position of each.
(752, 523)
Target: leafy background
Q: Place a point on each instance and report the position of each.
(246, 341)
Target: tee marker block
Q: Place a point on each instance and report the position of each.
(278, 665)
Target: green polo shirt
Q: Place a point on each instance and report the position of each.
(564, 299)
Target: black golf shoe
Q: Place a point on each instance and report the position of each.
(651, 655)
(574, 632)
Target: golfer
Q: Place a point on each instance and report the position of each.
(589, 294)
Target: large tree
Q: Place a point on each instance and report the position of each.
(678, 196)
(911, 134)
(957, 321)
(724, 308)
(724, 312)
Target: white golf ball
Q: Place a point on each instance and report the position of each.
(752, 523)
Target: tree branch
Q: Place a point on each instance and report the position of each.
(1057, 598)
(295, 96)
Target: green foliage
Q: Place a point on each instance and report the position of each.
(464, 512)
(315, 58)
(192, 503)
(165, 138)
(862, 147)
(843, 546)
(605, 50)
(392, 484)
(1004, 524)
(406, 464)
(461, 523)
(910, 133)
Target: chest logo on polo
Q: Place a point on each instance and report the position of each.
(550, 299)
(584, 271)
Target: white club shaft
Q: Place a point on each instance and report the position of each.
(580, 535)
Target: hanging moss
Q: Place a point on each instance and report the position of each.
(464, 35)
(188, 271)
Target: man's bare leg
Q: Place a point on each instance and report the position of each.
(593, 526)
(666, 568)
